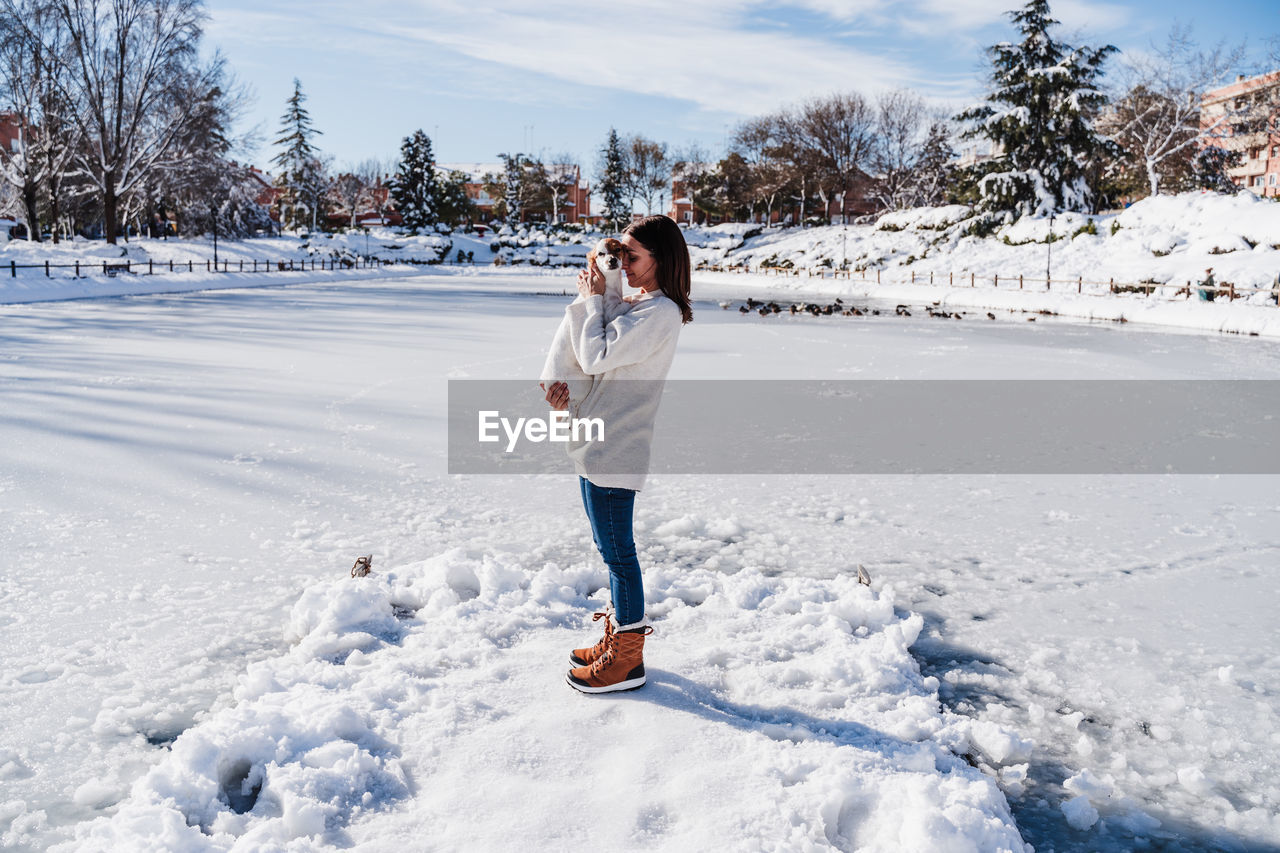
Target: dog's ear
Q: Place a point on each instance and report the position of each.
(614, 245)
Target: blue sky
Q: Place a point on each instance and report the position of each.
(489, 76)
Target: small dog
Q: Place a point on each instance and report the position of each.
(562, 365)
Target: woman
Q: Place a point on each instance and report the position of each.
(628, 359)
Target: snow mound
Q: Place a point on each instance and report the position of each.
(1243, 215)
(780, 713)
(928, 218)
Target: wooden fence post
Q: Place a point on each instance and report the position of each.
(151, 269)
(46, 269)
(13, 269)
(971, 280)
(913, 276)
(77, 268)
(997, 280)
(1019, 282)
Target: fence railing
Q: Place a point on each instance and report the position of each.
(1079, 284)
(129, 267)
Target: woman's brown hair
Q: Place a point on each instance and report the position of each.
(664, 240)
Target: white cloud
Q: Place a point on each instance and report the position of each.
(701, 52)
(695, 52)
(969, 15)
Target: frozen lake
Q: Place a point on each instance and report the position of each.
(176, 470)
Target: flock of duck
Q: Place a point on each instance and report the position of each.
(838, 308)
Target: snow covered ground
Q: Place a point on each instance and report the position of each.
(1069, 663)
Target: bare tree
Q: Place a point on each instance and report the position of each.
(134, 82)
(759, 141)
(648, 170)
(692, 169)
(1157, 119)
(562, 176)
(902, 123)
(32, 50)
(351, 191)
(374, 173)
(834, 137)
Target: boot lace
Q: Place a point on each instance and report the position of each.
(603, 644)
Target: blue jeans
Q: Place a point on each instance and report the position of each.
(610, 511)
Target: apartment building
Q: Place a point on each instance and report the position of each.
(1241, 115)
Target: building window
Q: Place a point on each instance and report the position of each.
(1275, 150)
(1257, 181)
(1271, 180)
(1255, 153)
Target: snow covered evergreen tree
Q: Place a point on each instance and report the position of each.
(1209, 169)
(513, 185)
(297, 162)
(613, 183)
(1039, 117)
(415, 188)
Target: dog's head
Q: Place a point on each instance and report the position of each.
(607, 256)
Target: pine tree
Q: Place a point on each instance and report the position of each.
(297, 162)
(455, 205)
(613, 183)
(1209, 169)
(1039, 117)
(415, 188)
(513, 185)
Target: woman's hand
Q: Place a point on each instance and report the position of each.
(557, 395)
(590, 282)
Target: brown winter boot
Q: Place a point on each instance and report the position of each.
(621, 667)
(586, 657)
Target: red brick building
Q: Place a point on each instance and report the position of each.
(574, 208)
(1251, 104)
(10, 131)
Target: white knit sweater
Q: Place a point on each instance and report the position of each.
(629, 358)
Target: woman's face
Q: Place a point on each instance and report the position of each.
(638, 264)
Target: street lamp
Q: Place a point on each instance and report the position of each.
(1048, 258)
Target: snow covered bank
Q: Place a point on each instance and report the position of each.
(1165, 240)
(1241, 318)
(93, 284)
(781, 713)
